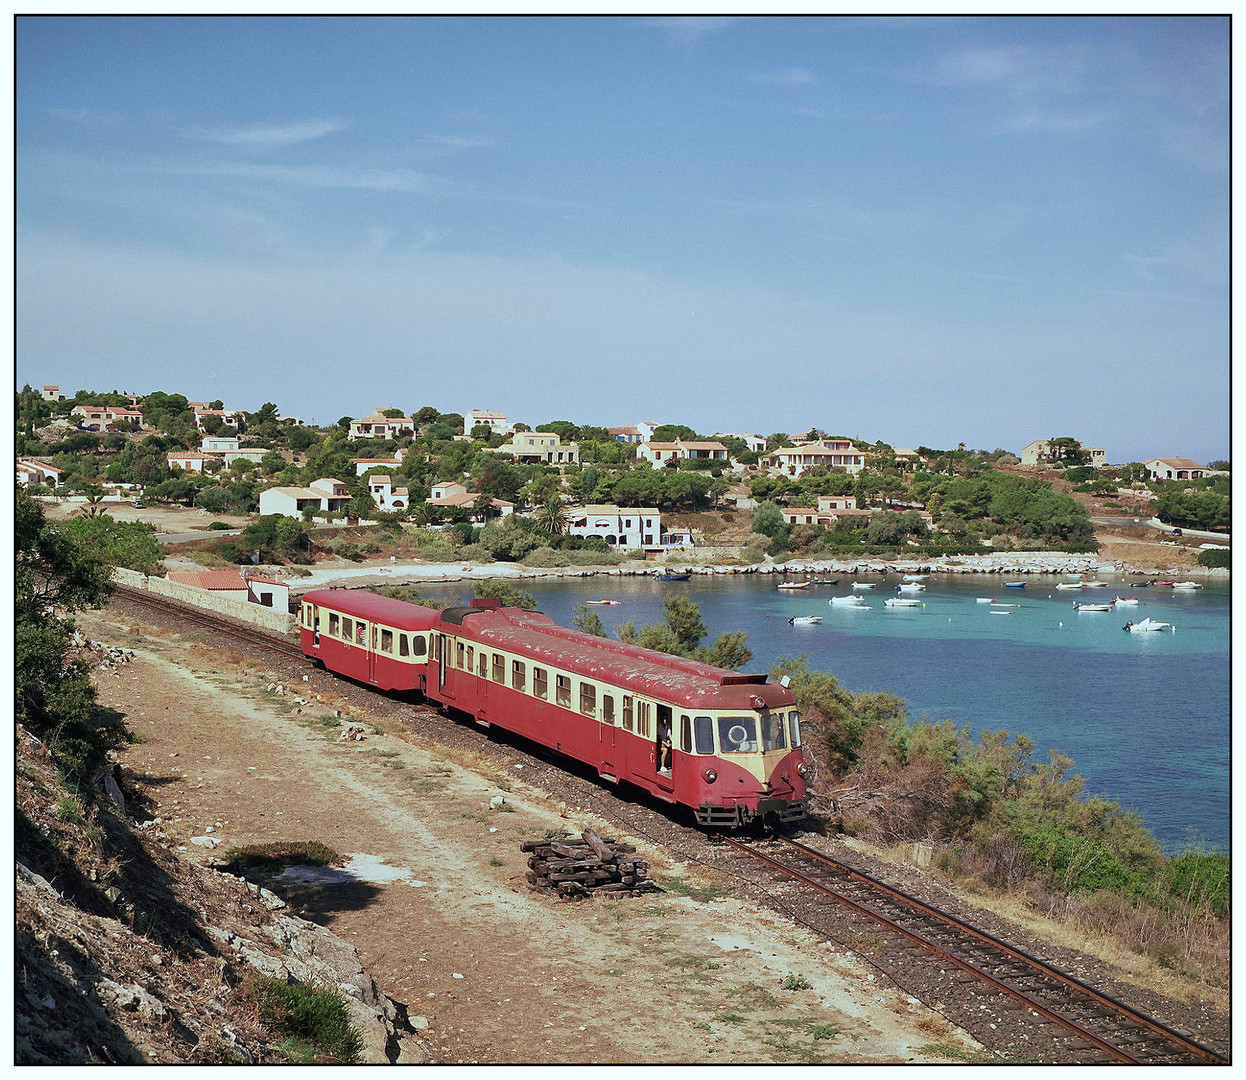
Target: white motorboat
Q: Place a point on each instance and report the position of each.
(911, 586)
(916, 577)
(986, 599)
(1003, 611)
(1070, 585)
(793, 585)
(1186, 585)
(805, 620)
(865, 584)
(1091, 607)
(1095, 584)
(1144, 625)
(846, 601)
(1131, 601)
(901, 601)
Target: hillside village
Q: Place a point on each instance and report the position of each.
(492, 488)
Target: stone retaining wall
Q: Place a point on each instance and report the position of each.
(281, 622)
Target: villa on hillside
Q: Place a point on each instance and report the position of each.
(626, 527)
(323, 494)
(831, 453)
(495, 422)
(1175, 469)
(1037, 453)
(659, 453)
(539, 446)
(380, 426)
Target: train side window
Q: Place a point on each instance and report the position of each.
(334, 624)
(519, 675)
(642, 718)
(361, 634)
(607, 708)
(627, 712)
(462, 654)
(419, 645)
(704, 728)
(685, 734)
(562, 690)
(772, 734)
(387, 641)
(348, 629)
(540, 682)
(499, 668)
(588, 699)
(404, 647)
(793, 726)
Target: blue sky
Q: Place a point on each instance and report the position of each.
(924, 231)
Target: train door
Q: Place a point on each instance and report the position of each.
(442, 647)
(664, 749)
(606, 737)
(371, 644)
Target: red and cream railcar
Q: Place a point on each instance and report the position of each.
(371, 638)
(734, 740)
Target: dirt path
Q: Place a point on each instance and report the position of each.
(435, 899)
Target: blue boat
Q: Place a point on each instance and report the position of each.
(674, 577)
(1014, 584)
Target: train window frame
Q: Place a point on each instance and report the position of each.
(607, 709)
(499, 668)
(562, 691)
(729, 742)
(628, 712)
(793, 725)
(588, 699)
(404, 645)
(348, 629)
(519, 676)
(772, 723)
(703, 729)
(470, 664)
(540, 682)
(685, 733)
(387, 641)
(460, 655)
(643, 711)
(419, 645)
(335, 624)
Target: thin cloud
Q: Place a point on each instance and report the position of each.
(689, 29)
(271, 135)
(398, 180)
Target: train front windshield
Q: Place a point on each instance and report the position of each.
(739, 734)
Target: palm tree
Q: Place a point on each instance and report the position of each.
(552, 518)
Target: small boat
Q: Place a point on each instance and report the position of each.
(1163, 582)
(865, 584)
(1091, 607)
(674, 577)
(911, 586)
(901, 601)
(805, 620)
(825, 581)
(1015, 584)
(1070, 585)
(986, 599)
(916, 577)
(1003, 611)
(1139, 584)
(610, 602)
(792, 585)
(1007, 605)
(1095, 584)
(846, 601)
(1186, 585)
(1131, 601)
(1143, 625)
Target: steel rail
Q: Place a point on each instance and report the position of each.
(1043, 968)
(1050, 1014)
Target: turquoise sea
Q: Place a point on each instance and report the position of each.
(1144, 716)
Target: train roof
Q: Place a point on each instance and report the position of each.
(363, 604)
(657, 675)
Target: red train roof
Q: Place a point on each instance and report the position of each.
(652, 674)
(362, 604)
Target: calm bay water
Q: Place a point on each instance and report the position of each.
(1144, 716)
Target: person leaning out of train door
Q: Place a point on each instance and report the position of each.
(664, 745)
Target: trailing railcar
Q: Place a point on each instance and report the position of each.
(373, 639)
(723, 743)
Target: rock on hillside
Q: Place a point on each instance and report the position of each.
(126, 953)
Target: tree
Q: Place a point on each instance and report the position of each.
(588, 621)
(553, 517)
(129, 544)
(768, 520)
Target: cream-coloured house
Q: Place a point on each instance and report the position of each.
(639, 432)
(832, 453)
(539, 446)
(323, 494)
(98, 417)
(659, 453)
(1175, 469)
(190, 460)
(1037, 454)
(379, 426)
(449, 493)
(495, 422)
(625, 527)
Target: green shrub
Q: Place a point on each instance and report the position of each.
(312, 1019)
(1214, 557)
(272, 855)
(1080, 863)
(1198, 879)
(218, 526)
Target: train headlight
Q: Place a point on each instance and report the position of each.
(710, 776)
(802, 770)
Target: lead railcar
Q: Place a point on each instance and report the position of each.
(723, 743)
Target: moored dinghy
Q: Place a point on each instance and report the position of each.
(1091, 607)
(805, 620)
(1144, 625)
(846, 601)
(902, 601)
(1130, 601)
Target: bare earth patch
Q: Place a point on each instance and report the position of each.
(433, 893)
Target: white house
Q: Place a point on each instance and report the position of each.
(237, 585)
(98, 417)
(190, 460)
(829, 510)
(449, 493)
(379, 426)
(1037, 454)
(659, 453)
(228, 449)
(495, 422)
(625, 527)
(362, 465)
(833, 453)
(35, 472)
(324, 494)
(228, 418)
(385, 495)
(640, 432)
(751, 442)
(1175, 469)
(539, 446)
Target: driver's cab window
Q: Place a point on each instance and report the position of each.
(737, 734)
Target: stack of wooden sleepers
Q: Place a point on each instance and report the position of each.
(576, 868)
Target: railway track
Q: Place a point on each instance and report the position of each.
(1014, 1004)
(1046, 1015)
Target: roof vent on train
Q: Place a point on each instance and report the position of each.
(736, 679)
(486, 603)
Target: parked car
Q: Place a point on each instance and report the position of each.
(138, 504)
